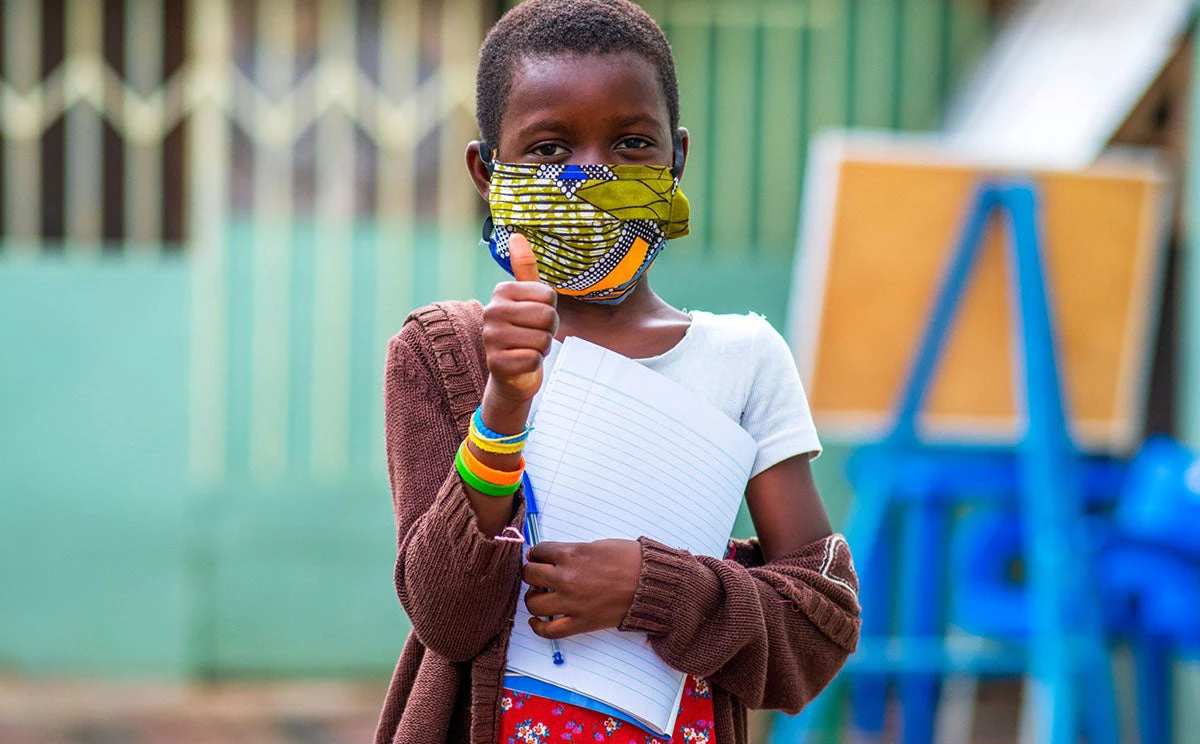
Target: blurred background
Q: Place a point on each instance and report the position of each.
(214, 214)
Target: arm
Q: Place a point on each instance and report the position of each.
(518, 329)
(456, 576)
(773, 634)
(456, 583)
(771, 629)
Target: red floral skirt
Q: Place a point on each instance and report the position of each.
(530, 719)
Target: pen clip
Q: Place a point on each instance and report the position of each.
(531, 512)
(530, 501)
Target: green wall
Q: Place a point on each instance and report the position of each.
(93, 450)
(121, 564)
(118, 563)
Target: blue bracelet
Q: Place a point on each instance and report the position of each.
(487, 433)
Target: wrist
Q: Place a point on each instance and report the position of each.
(502, 415)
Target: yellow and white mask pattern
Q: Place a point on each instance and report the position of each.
(594, 229)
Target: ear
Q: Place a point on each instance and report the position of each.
(685, 142)
(477, 170)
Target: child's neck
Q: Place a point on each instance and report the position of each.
(641, 326)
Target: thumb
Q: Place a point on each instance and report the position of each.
(524, 263)
(547, 552)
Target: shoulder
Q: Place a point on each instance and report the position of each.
(746, 346)
(439, 334)
(427, 324)
(751, 344)
(440, 349)
(774, 406)
(440, 327)
(734, 325)
(751, 336)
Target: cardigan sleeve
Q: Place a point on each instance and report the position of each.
(456, 584)
(773, 634)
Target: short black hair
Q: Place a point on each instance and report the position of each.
(539, 28)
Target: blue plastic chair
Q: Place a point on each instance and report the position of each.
(1161, 501)
(1147, 559)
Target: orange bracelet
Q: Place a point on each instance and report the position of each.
(491, 475)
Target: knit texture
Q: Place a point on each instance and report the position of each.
(767, 635)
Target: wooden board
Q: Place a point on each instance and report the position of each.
(882, 216)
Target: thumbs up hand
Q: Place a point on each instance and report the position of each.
(518, 326)
(524, 263)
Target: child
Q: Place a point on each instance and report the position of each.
(580, 161)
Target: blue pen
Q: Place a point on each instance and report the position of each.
(533, 535)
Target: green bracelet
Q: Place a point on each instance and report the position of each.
(479, 484)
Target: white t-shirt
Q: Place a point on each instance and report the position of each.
(741, 365)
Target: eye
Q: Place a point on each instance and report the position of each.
(634, 143)
(548, 150)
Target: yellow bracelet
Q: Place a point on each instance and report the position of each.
(491, 475)
(491, 445)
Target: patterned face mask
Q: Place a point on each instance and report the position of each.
(595, 229)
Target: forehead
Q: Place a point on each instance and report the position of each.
(571, 86)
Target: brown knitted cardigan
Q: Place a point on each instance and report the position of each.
(766, 635)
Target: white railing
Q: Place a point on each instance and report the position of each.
(413, 110)
(395, 113)
(319, 122)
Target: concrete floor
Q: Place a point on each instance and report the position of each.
(83, 712)
(107, 713)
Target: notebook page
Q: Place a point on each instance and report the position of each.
(620, 451)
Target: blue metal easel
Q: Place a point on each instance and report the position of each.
(1043, 476)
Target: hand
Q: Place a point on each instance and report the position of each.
(591, 585)
(518, 326)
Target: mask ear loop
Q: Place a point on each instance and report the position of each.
(488, 156)
(677, 158)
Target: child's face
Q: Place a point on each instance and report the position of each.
(594, 108)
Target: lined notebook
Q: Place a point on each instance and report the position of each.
(620, 451)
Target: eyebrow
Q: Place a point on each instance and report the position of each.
(635, 119)
(543, 125)
(558, 127)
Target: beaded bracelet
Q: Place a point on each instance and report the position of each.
(491, 446)
(479, 484)
(483, 430)
(491, 475)
(487, 440)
